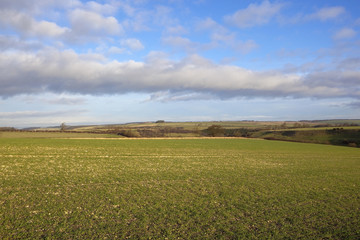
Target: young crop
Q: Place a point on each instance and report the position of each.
(187, 189)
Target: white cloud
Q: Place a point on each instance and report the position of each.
(215, 28)
(86, 22)
(254, 14)
(116, 50)
(176, 30)
(36, 114)
(220, 36)
(91, 23)
(246, 47)
(28, 26)
(182, 43)
(162, 16)
(53, 99)
(323, 14)
(64, 100)
(344, 33)
(327, 13)
(127, 8)
(106, 9)
(13, 43)
(207, 24)
(55, 71)
(37, 6)
(133, 44)
(45, 28)
(167, 96)
(138, 21)
(148, 19)
(43, 118)
(350, 64)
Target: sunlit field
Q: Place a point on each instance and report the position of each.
(177, 188)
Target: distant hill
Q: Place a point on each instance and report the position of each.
(354, 122)
(345, 132)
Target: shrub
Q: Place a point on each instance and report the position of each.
(352, 144)
(129, 133)
(215, 131)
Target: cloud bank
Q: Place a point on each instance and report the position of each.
(68, 72)
(41, 54)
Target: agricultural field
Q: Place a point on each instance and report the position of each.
(335, 132)
(177, 188)
(58, 134)
(193, 127)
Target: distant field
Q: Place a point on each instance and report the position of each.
(345, 136)
(338, 121)
(318, 131)
(183, 125)
(185, 188)
(320, 128)
(43, 134)
(334, 132)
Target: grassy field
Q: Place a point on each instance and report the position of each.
(190, 126)
(344, 132)
(184, 188)
(43, 134)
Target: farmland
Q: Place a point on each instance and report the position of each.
(177, 188)
(335, 132)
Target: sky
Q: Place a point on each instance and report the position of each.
(104, 62)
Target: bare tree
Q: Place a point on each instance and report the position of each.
(62, 126)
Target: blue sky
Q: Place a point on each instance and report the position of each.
(93, 62)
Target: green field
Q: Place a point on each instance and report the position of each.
(41, 134)
(177, 189)
(339, 132)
